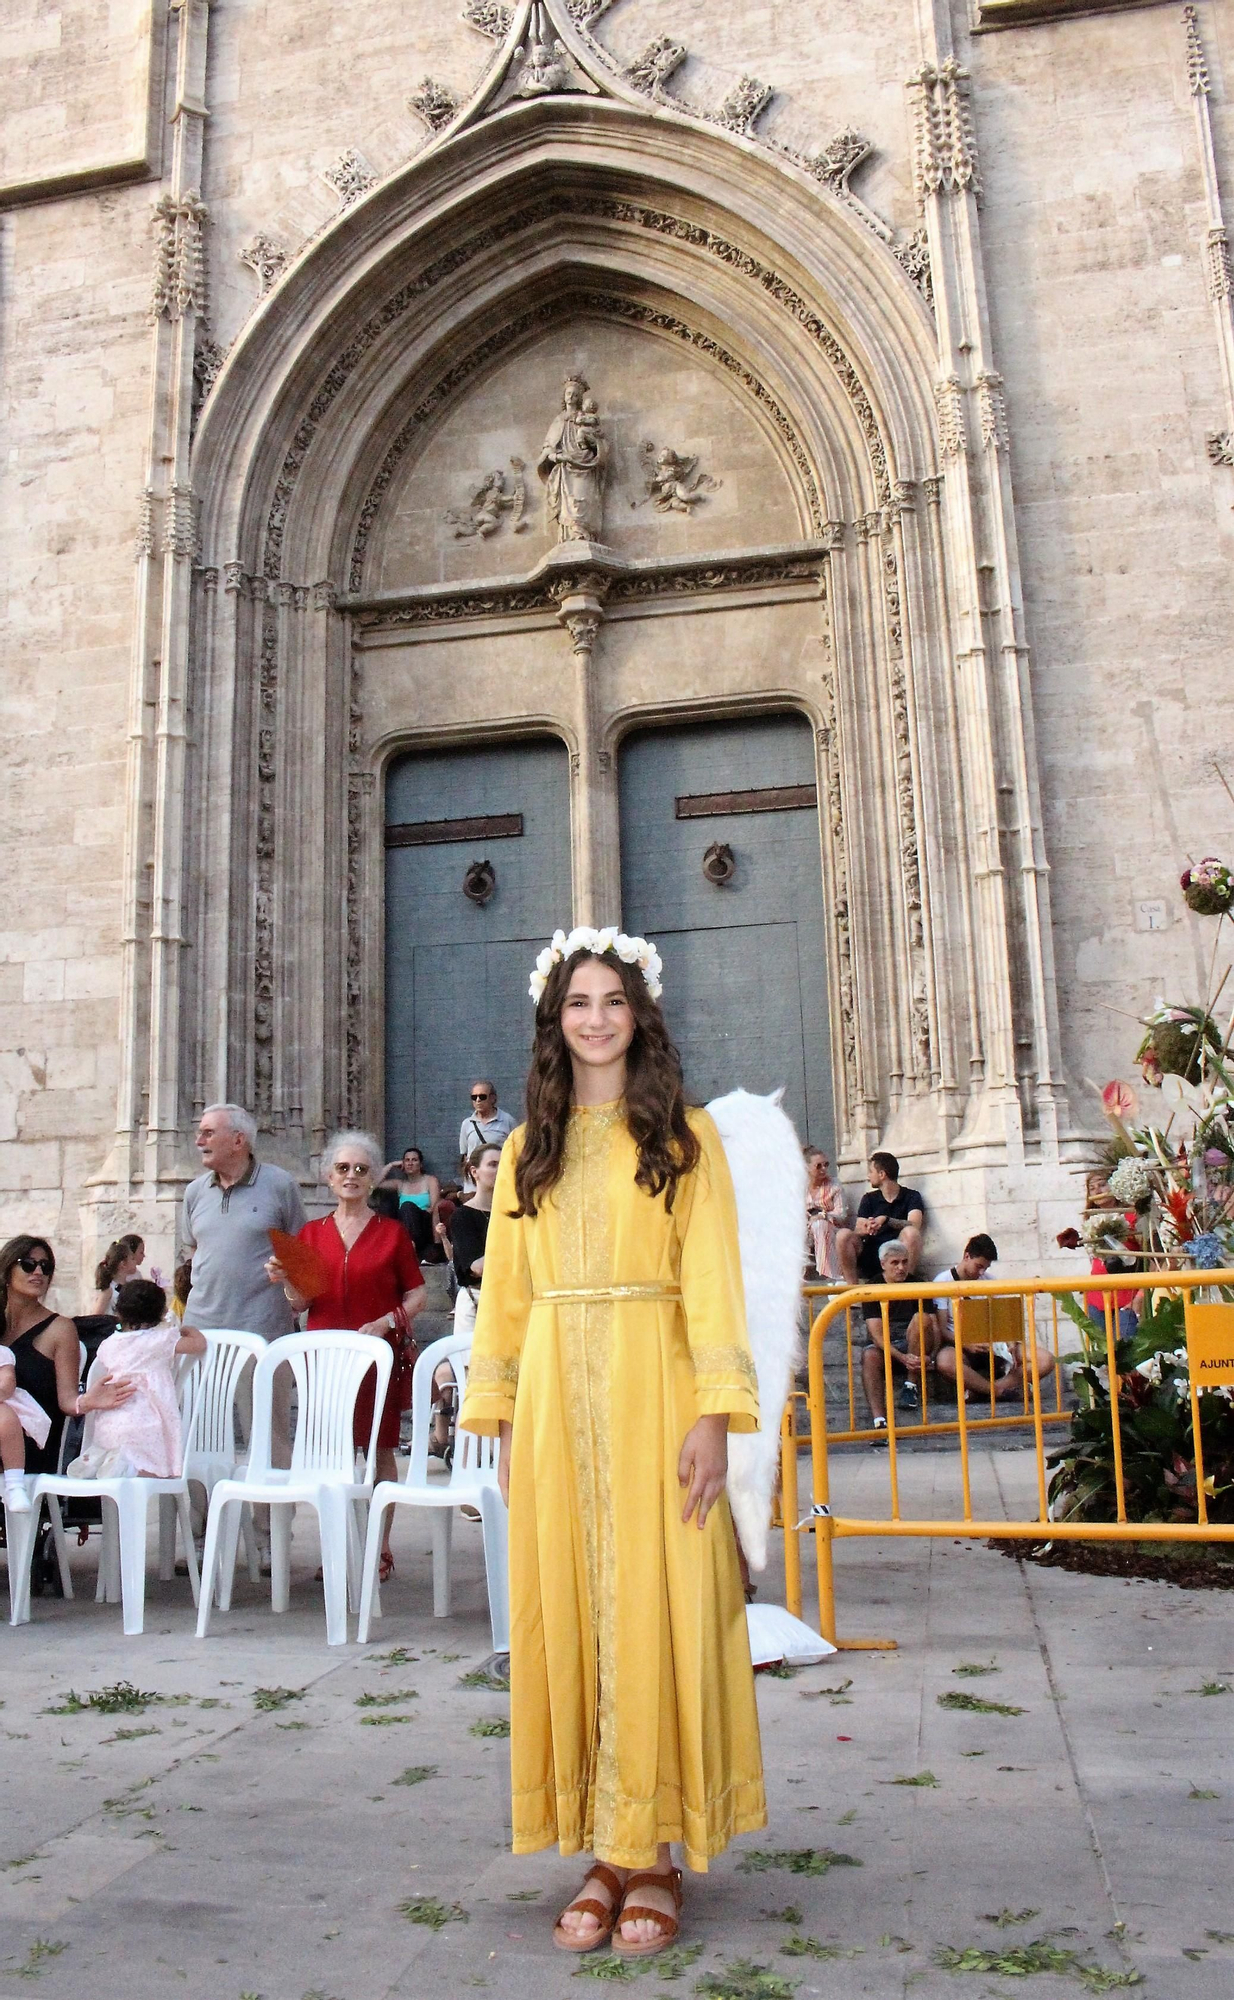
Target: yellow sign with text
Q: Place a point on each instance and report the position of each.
(1210, 1345)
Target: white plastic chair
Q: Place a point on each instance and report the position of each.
(472, 1482)
(328, 1370)
(210, 1453)
(124, 1548)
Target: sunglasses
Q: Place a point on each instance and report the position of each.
(351, 1167)
(32, 1264)
(480, 1096)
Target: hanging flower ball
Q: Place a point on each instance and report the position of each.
(1131, 1182)
(1208, 888)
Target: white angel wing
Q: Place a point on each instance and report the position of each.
(769, 1179)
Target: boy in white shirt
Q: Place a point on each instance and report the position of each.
(980, 1252)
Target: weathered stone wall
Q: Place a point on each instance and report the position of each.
(1093, 230)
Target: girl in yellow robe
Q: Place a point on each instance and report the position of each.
(610, 1354)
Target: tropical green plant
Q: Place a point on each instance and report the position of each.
(1154, 1414)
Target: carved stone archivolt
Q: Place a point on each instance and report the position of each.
(633, 214)
(633, 312)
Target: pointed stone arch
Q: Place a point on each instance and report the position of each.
(595, 199)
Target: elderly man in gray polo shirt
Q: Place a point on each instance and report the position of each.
(229, 1211)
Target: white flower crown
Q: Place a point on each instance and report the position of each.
(630, 950)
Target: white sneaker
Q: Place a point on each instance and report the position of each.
(16, 1498)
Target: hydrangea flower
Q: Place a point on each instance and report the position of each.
(1207, 1253)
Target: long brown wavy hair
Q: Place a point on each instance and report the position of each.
(655, 1096)
(19, 1246)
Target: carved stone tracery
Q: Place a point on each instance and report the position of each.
(350, 176)
(266, 258)
(434, 103)
(744, 105)
(652, 69)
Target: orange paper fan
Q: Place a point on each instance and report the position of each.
(305, 1267)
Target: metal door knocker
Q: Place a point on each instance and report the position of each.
(719, 865)
(479, 883)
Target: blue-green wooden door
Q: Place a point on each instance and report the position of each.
(457, 1005)
(745, 985)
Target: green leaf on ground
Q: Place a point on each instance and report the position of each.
(1218, 1937)
(282, 1725)
(25, 1860)
(131, 1735)
(427, 1910)
(798, 1946)
(524, 1895)
(971, 1670)
(40, 1951)
(1211, 1687)
(846, 1819)
(1005, 1918)
(415, 1774)
(397, 1657)
(925, 1780)
(796, 1860)
(972, 1704)
(1197, 1792)
(790, 1914)
(480, 1677)
(265, 1699)
(121, 1698)
(779, 1670)
(604, 1966)
(1021, 1960)
(383, 1721)
(491, 1725)
(391, 1700)
(743, 1980)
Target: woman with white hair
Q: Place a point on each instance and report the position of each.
(372, 1284)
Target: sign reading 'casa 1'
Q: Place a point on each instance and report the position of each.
(1210, 1345)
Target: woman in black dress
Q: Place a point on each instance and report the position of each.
(45, 1347)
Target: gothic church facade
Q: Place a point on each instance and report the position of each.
(760, 475)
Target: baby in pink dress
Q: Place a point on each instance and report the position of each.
(20, 1417)
(141, 1435)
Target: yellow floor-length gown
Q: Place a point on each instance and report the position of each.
(633, 1718)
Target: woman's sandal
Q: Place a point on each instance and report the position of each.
(669, 1927)
(385, 1568)
(590, 1906)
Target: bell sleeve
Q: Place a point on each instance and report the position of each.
(503, 1312)
(711, 1288)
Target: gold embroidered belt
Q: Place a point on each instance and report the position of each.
(554, 1295)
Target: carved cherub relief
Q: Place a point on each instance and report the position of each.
(489, 506)
(673, 486)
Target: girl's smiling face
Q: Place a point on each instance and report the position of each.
(596, 1018)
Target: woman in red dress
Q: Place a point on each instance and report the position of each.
(374, 1285)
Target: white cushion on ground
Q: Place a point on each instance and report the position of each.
(776, 1635)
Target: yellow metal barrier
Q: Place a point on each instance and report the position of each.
(989, 1311)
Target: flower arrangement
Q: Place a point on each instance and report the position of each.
(1209, 887)
(1154, 1414)
(1171, 1174)
(630, 950)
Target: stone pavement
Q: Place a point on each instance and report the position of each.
(210, 1848)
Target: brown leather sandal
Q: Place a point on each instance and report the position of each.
(669, 1927)
(590, 1906)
